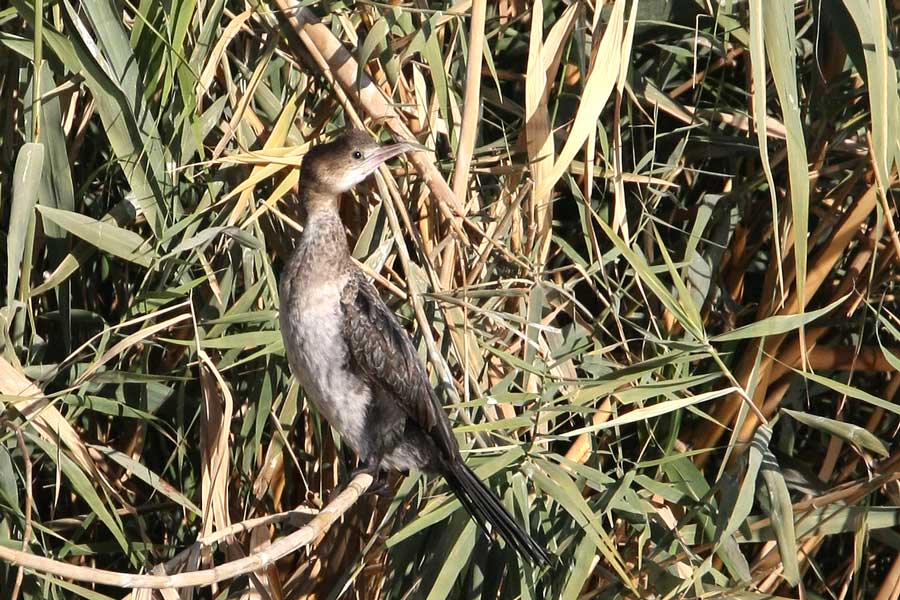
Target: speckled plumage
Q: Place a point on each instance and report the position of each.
(311, 325)
(414, 432)
(354, 360)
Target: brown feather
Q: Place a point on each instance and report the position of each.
(384, 353)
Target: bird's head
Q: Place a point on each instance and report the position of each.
(337, 166)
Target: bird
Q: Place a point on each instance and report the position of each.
(355, 362)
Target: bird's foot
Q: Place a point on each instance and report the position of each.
(380, 488)
(379, 485)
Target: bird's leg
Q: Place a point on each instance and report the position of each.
(379, 485)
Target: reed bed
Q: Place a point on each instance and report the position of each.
(649, 253)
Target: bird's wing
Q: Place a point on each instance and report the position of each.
(384, 352)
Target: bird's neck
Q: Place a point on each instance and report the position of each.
(323, 251)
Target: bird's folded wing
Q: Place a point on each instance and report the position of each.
(384, 353)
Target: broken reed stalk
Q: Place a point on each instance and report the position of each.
(256, 561)
(333, 58)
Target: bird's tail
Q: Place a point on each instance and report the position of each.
(485, 507)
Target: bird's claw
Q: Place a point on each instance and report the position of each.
(379, 485)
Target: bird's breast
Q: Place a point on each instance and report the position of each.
(312, 328)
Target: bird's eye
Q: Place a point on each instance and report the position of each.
(357, 154)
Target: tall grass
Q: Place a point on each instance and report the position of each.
(651, 260)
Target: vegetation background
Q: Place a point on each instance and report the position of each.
(651, 259)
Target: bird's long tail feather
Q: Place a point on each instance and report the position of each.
(485, 507)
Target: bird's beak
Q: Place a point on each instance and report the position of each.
(385, 153)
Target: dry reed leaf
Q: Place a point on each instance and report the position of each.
(599, 85)
(423, 115)
(284, 187)
(242, 111)
(578, 168)
(218, 408)
(555, 44)
(280, 156)
(260, 174)
(46, 418)
(215, 57)
(538, 134)
(580, 450)
(272, 147)
(260, 584)
(248, 186)
(774, 128)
